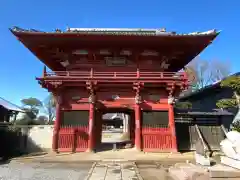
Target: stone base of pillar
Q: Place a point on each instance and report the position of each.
(174, 151)
(137, 149)
(54, 152)
(90, 150)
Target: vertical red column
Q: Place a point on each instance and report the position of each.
(56, 128)
(137, 127)
(172, 127)
(90, 126)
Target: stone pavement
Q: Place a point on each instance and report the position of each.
(123, 165)
(114, 170)
(81, 171)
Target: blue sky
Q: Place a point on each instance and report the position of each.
(19, 67)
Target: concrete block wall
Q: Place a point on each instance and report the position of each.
(40, 138)
(36, 138)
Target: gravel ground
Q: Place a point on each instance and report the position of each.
(44, 171)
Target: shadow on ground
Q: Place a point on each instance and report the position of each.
(15, 144)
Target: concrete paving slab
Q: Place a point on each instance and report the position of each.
(189, 171)
(153, 171)
(177, 173)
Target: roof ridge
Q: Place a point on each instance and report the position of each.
(120, 31)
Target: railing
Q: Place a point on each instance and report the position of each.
(224, 130)
(201, 146)
(117, 75)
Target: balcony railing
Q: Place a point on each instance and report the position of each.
(93, 75)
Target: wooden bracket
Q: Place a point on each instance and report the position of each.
(137, 86)
(91, 86)
(171, 88)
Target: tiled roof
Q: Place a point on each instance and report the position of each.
(10, 106)
(120, 31)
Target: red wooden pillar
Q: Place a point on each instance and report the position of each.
(172, 126)
(56, 128)
(90, 126)
(137, 127)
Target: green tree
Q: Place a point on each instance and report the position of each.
(32, 107)
(32, 104)
(236, 126)
(232, 82)
(42, 120)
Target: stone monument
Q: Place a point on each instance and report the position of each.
(231, 149)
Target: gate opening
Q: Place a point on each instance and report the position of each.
(117, 129)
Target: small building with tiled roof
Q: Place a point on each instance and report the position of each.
(8, 110)
(206, 98)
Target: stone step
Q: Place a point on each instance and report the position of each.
(230, 162)
(223, 171)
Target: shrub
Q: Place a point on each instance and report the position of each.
(236, 126)
(9, 137)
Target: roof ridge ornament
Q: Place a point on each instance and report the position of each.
(163, 30)
(18, 29)
(58, 30)
(212, 31)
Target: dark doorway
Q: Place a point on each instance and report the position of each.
(116, 129)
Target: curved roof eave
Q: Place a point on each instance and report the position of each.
(22, 34)
(130, 32)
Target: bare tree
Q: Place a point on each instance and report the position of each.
(49, 107)
(207, 72)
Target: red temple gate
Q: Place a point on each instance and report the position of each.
(96, 70)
